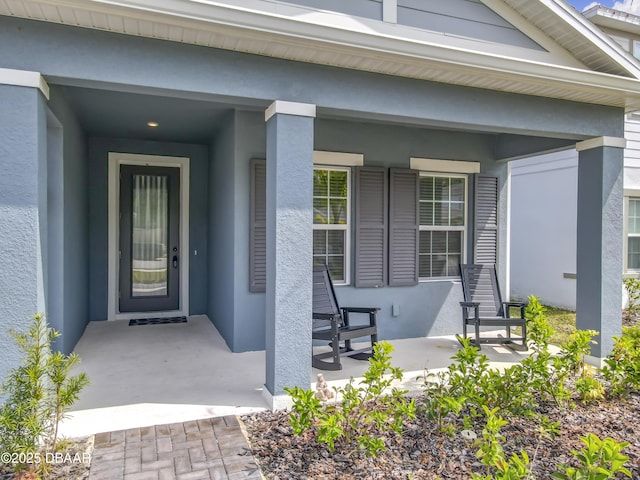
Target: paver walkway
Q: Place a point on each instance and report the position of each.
(211, 449)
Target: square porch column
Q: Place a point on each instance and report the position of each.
(599, 242)
(289, 248)
(23, 206)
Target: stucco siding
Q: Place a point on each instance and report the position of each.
(23, 212)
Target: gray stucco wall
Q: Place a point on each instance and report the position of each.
(69, 186)
(221, 298)
(430, 308)
(23, 211)
(99, 149)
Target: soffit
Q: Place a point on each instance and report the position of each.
(306, 35)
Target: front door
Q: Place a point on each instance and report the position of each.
(149, 238)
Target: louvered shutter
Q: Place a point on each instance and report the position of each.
(258, 229)
(485, 245)
(403, 227)
(371, 196)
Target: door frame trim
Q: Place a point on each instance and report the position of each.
(115, 160)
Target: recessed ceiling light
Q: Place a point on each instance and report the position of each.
(152, 124)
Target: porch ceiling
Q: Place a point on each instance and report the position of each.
(609, 77)
(125, 115)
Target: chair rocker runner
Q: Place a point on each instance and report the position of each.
(332, 323)
(483, 306)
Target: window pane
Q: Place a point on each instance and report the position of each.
(457, 214)
(336, 267)
(633, 260)
(426, 188)
(454, 240)
(424, 266)
(320, 183)
(338, 211)
(425, 242)
(335, 242)
(439, 242)
(441, 188)
(441, 214)
(320, 210)
(457, 189)
(439, 266)
(634, 216)
(337, 184)
(453, 265)
(426, 213)
(319, 242)
(319, 260)
(150, 225)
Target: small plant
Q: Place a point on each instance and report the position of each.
(589, 388)
(365, 410)
(622, 365)
(491, 454)
(633, 290)
(38, 394)
(599, 460)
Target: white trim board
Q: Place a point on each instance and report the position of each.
(24, 78)
(115, 160)
(444, 166)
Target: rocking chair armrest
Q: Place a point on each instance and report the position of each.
(373, 310)
(470, 304)
(326, 316)
(507, 305)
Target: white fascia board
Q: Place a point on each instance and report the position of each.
(262, 19)
(598, 142)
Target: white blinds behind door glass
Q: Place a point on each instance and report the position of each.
(150, 217)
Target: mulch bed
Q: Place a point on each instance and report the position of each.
(424, 452)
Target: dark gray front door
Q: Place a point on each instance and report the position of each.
(149, 238)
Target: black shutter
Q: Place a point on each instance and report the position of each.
(403, 226)
(258, 228)
(485, 244)
(371, 197)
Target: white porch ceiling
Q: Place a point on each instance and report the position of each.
(290, 32)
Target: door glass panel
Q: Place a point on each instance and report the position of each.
(150, 217)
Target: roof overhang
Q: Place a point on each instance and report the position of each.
(614, 19)
(598, 72)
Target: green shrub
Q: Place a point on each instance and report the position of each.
(622, 365)
(633, 290)
(365, 412)
(599, 460)
(38, 393)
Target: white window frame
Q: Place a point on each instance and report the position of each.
(629, 195)
(346, 226)
(442, 228)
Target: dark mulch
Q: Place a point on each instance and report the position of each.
(423, 452)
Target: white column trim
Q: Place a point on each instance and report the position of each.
(290, 108)
(24, 78)
(390, 11)
(597, 142)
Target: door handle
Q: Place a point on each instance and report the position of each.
(175, 261)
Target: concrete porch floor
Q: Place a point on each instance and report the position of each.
(168, 373)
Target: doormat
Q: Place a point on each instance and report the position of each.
(156, 321)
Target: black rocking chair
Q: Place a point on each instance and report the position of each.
(483, 306)
(332, 323)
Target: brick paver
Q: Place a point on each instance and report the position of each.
(210, 449)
